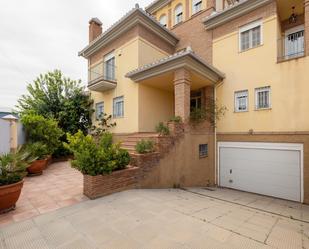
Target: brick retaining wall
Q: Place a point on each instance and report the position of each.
(101, 185)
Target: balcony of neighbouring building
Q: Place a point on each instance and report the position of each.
(292, 29)
(102, 77)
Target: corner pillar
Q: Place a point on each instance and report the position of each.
(182, 84)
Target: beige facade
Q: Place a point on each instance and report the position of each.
(287, 81)
(219, 49)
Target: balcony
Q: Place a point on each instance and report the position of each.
(291, 45)
(102, 77)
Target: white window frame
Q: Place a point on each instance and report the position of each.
(262, 89)
(248, 27)
(97, 114)
(178, 10)
(107, 58)
(117, 100)
(236, 96)
(289, 32)
(163, 20)
(194, 4)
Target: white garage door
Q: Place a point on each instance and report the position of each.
(264, 168)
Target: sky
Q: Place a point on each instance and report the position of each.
(37, 36)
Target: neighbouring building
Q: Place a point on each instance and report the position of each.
(177, 56)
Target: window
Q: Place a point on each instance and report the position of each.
(294, 42)
(118, 107)
(109, 67)
(196, 6)
(262, 98)
(99, 110)
(203, 150)
(196, 100)
(163, 20)
(178, 14)
(241, 101)
(250, 36)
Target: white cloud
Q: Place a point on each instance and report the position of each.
(37, 36)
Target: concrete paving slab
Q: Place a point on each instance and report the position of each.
(163, 219)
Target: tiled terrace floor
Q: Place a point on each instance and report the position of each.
(59, 186)
(164, 219)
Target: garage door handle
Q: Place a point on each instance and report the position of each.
(231, 171)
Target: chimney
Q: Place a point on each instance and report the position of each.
(95, 28)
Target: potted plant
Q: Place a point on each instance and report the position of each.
(145, 146)
(12, 171)
(44, 130)
(40, 151)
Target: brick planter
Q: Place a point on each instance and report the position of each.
(143, 161)
(176, 129)
(101, 185)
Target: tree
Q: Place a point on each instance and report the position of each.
(55, 96)
(43, 130)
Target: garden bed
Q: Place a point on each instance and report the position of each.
(101, 185)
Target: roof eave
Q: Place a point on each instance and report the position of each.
(135, 17)
(157, 5)
(233, 12)
(186, 60)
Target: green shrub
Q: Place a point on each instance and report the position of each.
(94, 159)
(121, 156)
(162, 129)
(40, 129)
(38, 150)
(13, 166)
(144, 146)
(176, 119)
(106, 140)
(198, 115)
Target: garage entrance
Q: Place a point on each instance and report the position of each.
(273, 169)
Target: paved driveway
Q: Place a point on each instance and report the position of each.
(161, 219)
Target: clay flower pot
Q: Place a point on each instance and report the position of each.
(37, 167)
(48, 161)
(9, 195)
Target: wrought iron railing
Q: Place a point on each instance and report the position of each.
(104, 71)
(291, 46)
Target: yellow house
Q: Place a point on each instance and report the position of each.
(177, 56)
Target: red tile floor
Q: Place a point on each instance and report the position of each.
(59, 186)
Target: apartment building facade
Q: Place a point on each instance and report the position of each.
(251, 56)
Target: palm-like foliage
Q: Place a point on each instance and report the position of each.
(13, 166)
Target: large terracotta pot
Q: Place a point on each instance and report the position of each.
(9, 195)
(36, 168)
(48, 161)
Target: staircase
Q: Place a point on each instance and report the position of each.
(130, 142)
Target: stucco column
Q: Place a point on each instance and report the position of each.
(182, 83)
(307, 26)
(13, 131)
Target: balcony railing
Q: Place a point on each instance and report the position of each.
(291, 46)
(102, 77)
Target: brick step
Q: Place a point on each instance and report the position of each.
(136, 139)
(129, 143)
(128, 146)
(144, 135)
